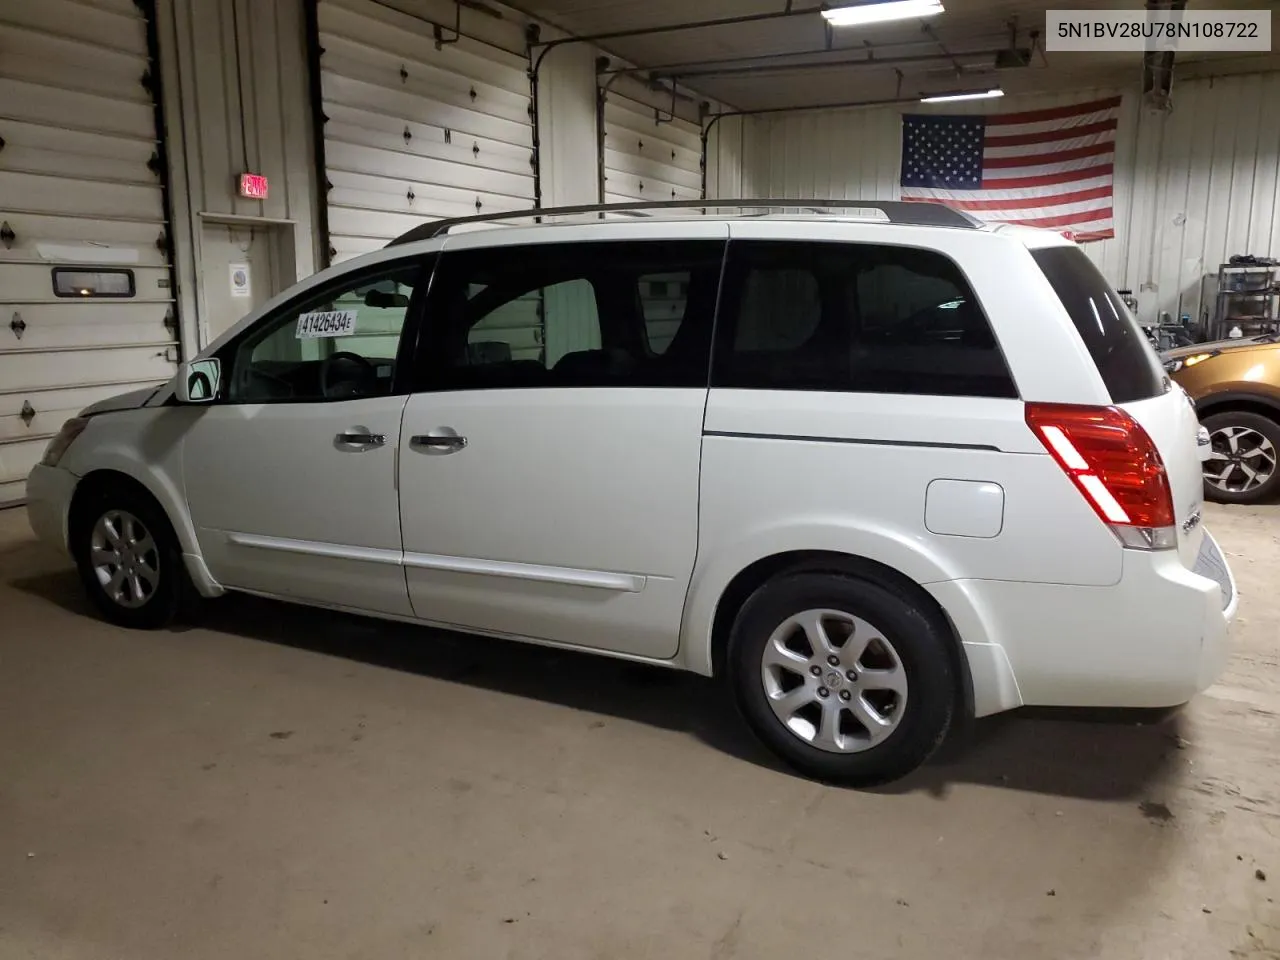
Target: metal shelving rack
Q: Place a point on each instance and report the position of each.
(1248, 297)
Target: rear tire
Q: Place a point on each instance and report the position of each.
(1243, 467)
(129, 559)
(845, 680)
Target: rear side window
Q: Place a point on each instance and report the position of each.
(1112, 337)
(850, 317)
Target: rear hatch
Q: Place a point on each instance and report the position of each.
(1137, 383)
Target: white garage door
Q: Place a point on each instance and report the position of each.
(417, 132)
(79, 188)
(645, 159)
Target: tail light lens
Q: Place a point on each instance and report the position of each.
(1115, 466)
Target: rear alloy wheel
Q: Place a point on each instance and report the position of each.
(846, 680)
(1242, 464)
(129, 559)
(834, 681)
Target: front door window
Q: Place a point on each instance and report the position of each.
(339, 344)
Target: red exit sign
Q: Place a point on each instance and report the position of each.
(253, 186)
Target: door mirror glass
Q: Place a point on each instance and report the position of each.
(198, 381)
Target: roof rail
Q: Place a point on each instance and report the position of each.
(915, 212)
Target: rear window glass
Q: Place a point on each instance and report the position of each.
(1112, 336)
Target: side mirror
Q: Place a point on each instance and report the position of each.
(198, 381)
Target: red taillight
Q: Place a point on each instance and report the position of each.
(1110, 458)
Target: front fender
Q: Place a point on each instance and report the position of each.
(1235, 393)
(146, 446)
(165, 488)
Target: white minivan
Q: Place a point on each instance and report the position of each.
(876, 471)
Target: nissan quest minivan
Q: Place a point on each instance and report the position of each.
(876, 472)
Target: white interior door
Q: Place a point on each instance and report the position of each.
(238, 264)
(557, 497)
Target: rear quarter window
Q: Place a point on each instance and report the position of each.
(1113, 338)
(853, 318)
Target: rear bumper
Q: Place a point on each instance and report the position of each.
(1154, 639)
(49, 492)
(1212, 565)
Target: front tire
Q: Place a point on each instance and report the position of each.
(845, 680)
(1242, 465)
(129, 559)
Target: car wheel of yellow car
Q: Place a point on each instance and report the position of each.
(1242, 464)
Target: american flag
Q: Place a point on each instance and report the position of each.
(1045, 168)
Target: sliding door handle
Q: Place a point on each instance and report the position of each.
(354, 439)
(439, 442)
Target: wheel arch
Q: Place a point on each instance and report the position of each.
(126, 461)
(93, 485)
(1233, 400)
(101, 479)
(761, 571)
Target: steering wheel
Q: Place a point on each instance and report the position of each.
(366, 374)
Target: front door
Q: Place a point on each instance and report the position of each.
(549, 456)
(291, 474)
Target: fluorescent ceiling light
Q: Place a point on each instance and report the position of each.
(881, 12)
(972, 95)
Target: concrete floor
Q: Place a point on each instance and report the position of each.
(283, 783)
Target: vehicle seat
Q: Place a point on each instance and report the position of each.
(603, 367)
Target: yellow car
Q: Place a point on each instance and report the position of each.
(1235, 385)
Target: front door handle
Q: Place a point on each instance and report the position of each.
(356, 439)
(440, 440)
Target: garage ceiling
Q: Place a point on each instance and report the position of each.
(755, 66)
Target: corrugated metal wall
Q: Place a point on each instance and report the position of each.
(727, 174)
(239, 93)
(568, 141)
(856, 155)
(1217, 190)
(1191, 188)
(236, 100)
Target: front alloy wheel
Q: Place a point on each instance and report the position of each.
(125, 559)
(128, 556)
